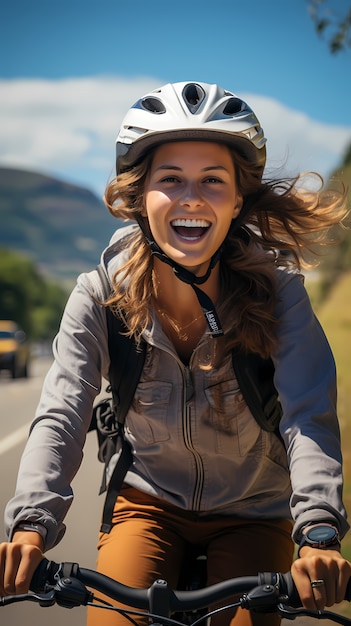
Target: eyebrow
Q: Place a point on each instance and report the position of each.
(179, 169)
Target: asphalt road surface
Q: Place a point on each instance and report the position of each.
(18, 399)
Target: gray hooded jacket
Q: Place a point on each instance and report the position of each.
(195, 443)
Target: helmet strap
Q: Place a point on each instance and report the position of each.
(209, 311)
(208, 307)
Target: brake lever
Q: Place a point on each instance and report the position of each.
(71, 592)
(263, 598)
(68, 592)
(43, 599)
(291, 613)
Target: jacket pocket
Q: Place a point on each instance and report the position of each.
(148, 415)
(236, 430)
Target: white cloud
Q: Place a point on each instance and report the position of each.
(297, 141)
(65, 127)
(68, 127)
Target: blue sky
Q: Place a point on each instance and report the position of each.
(69, 70)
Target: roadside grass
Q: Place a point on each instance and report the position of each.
(335, 316)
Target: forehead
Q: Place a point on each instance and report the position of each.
(194, 152)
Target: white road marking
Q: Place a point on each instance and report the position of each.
(14, 439)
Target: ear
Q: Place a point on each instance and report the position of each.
(238, 205)
(143, 211)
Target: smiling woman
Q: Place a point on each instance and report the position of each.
(198, 281)
(191, 181)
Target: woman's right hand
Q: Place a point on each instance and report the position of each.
(18, 562)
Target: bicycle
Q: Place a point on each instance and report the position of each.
(69, 585)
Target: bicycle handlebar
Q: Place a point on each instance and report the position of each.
(50, 572)
(66, 584)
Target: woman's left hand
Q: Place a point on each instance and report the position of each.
(321, 577)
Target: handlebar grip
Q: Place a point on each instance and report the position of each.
(40, 577)
(348, 591)
(287, 587)
(49, 572)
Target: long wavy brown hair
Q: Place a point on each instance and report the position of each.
(286, 222)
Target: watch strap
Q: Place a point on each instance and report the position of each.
(306, 542)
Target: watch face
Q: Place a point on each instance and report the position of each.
(321, 533)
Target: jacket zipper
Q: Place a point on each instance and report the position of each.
(187, 435)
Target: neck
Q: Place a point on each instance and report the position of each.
(177, 298)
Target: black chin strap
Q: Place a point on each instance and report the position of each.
(208, 307)
(183, 274)
(189, 278)
(209, 311)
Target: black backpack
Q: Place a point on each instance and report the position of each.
(254, 375)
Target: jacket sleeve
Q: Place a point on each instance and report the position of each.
(305, 378)
(54, 448)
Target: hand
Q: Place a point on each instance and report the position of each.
(330, 571)
(18, 562)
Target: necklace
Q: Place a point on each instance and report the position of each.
(179, 329)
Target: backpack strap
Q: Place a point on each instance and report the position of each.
(126, 364)
(254, 376)
(255, 379)
(126, 358)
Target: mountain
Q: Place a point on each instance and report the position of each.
(62, 227)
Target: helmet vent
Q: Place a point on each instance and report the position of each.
(154, 105)
(234, 106)
(193, 95)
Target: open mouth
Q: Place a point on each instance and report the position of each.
(190, 229)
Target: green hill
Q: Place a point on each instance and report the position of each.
(62, 227)
(335, 316)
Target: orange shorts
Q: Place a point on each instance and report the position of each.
(150, 538)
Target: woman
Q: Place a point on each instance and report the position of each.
(199, 275)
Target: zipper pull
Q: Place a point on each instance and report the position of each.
(189, 387)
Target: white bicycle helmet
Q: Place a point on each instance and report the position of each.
(189, 111)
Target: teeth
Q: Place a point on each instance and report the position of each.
(191, 223)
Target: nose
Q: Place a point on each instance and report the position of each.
(191, 196)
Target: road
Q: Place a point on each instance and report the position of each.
(18, 399)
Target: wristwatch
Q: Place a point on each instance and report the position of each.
(322, 536)
(32, 527)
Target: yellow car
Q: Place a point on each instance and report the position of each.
(14, 349)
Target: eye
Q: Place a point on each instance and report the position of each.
(169, 179)
(213, 179)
